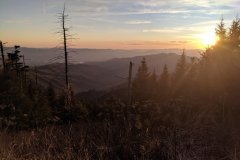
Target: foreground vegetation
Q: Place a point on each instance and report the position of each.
(177, 131)
(192, 113)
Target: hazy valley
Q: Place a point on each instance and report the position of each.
(44, 56)
(104, 74)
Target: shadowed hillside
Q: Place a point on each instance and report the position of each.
(102, 75)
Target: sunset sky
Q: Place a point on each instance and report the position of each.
(123, 24)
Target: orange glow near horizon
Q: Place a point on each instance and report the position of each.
(128, 45)
(128, 41)
(46, 39)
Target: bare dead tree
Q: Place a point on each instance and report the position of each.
(130, 83)
(64, 30)
(3, 60)
(66, 37)
(36, 75)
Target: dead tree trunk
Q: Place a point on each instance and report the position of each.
(130, 84)
(36, 76)
(68, 98)
(3, 60)
(65, 46)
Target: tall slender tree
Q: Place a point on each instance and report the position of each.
(141, 82)
(64, 30)
(65, 36)
(234, 33)
(179, 76)
(2, 54)
(221, 32)
(164, 83)
(153, 83)
(130, 83)
(181, 67)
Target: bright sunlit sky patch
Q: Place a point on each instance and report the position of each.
(125, 24)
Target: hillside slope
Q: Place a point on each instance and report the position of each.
(102, 75)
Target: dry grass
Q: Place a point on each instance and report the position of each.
(156, 135)
(95, 141)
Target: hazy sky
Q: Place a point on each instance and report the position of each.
(125, 24)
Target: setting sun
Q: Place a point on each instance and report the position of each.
(209, 39)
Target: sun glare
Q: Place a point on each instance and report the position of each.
(209, 39)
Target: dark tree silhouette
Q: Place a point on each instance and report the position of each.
(153, 85)
(65, 35)
(164, 83)
(64, 30)
(2, 54)
(221, 32)
(234, 33)
(141, 82)
(179, 76)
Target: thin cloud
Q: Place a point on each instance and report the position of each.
(211, 22)
(135, 44)
(179, 42)
(138, 22)
(17, 21)
(161, 30)
(101, 8)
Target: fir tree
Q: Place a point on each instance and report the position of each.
(221, 32)
(179, 76)
(234, 33)
(164, 85)
(181, 68)
(153, 83)
(191, 77)
(141, 82)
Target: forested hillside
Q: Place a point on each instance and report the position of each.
(102, 75)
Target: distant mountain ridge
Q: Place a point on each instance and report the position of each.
(102, 75)
(45, 56)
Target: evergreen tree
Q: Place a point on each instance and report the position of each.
(221, 32)
(191, 77)
(153, 83)
(164, 85)
(13, 61)
(179, 76)
(234, 33)
(153, 76)
(141, 82)
(181, 68)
